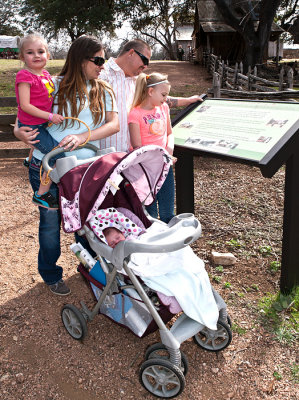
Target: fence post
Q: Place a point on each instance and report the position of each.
(290, 75)
(235, 78)
(241, 67)
(249, 78)
(216, 85)
(224, 74)
(255, 74)
(281, 74)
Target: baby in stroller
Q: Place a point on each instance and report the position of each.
(130, 284)
(178, 277)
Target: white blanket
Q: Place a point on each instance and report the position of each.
(181, 274)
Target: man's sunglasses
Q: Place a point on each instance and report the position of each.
(99, 61)
(144, 59)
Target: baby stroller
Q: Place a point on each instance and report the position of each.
(111, 180)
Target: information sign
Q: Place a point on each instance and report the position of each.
(240, 129)
(261, 133)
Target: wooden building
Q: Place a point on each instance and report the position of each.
(211, 32)
(183, 37)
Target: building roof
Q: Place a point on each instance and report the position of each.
(215, 27)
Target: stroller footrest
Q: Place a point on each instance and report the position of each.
(184, 328)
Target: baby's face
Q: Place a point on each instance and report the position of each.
(113, 237)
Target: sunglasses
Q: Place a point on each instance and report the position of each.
(99, 61)
(144, 59)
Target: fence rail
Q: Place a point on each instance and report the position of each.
(232, 82)
(8, 145)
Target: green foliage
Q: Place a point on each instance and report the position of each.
(238, 329)
(77, 18)
(217, 278)
(277, 375)
(158, 21)
(265, 250)
(219, 268)
(295, 372)
(235, 243)
(255, 287)
(8, 10)
(227, 285)
(274, 266)
(281, 314)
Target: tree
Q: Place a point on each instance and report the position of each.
(76, 17)
(287, 17)
(7, 18)
(243, 16)
(158, 20)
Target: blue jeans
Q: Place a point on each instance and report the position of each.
(49, 232)
(46, 141)
(164, 200)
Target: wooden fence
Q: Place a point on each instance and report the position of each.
(232, 82)
(8, 145)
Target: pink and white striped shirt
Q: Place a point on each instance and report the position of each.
(124, 89)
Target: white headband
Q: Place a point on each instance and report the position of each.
(157, 83)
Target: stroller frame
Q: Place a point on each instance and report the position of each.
(163, 376)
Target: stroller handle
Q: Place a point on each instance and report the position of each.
(183, 230)
(59, 150)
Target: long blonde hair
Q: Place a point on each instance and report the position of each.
(143, 83)
(73, 85)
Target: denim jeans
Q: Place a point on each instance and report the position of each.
(49, 232)
(46, 141)
(164, 200)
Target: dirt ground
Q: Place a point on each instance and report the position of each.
(240, 212)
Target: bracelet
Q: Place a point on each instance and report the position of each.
(50, 117)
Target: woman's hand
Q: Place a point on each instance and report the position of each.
(71, 142)
(26, 135)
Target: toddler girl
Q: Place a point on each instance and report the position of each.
(149, 123)
(34, 92)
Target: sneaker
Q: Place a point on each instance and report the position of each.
(26, 162)
(46, 200)
(60, 288)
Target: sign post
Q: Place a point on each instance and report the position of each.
(260, 133)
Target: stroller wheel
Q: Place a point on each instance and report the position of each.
(159, 350)
(74, 321)
(162, 378)
(214, 340)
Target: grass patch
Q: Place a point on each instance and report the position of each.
(9, 69)
(238, 329)
(280, 313)
(295, 372)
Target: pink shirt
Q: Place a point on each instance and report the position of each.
(152, 124)
(41, 95)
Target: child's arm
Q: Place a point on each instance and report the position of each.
(135, 136)
(24, 96)
(170, 140)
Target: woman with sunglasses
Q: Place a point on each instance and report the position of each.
(80, 94)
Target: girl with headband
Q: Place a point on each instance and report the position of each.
(149, 123)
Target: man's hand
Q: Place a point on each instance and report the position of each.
(194, 99)
(26, 135)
